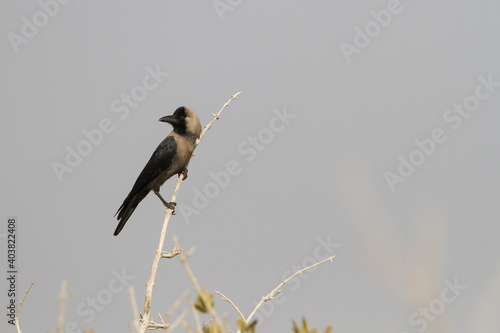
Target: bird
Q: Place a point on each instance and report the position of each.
(171, 157)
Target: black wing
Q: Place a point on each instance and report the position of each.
(159, 162)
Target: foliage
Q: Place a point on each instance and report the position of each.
(246, 328)
(212, 329)
(200, 301)
(305, 328)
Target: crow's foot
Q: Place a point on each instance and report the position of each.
(171, 206)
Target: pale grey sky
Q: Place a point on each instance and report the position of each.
(365, 129)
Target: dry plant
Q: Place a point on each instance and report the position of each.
(204, 301)
(16, 319)
(63, 296)
(205, 304)
(135, 326)
(277, 290)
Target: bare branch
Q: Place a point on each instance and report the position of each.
(187, 268)
(207, 302)
(171, 254)
(206, 324)
(190, 252)
(179, 320)
(276, 290)
(176, 304)
(63, 296)
(151, 282)
(154, 326)
(135, 311)
(215, 117)
(16, 319)
(224, 298)
(186, 327)
(195, 314)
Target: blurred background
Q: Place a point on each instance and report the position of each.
(367, 130)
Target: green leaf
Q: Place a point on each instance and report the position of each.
(305, 327)
(200, 303)
(246, 328)
(212, 329)
(304, 324)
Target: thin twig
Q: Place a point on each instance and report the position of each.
(276, 290)
(215, 117)
(151, 282)
(16, 319)
(190, 252)
(176, 304)
(187, 268)
(195, 314)
(168, 213)
(224, 298)
(135, 310)
(179, 320)
(154, 326)
(63, 296)
(206, 324)
(196, 285)
(186, 327)
(171, 254)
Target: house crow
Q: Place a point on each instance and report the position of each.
(170, 158)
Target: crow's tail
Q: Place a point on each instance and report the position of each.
(127, 208)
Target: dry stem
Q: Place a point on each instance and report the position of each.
(16, 319)
(206, 324)
(276, 290)
(195, 314)
(135, 323)
(215, 117)
(224, 298)
(207, 302)
(171, 254)
(176, 304)
(63, 296)
(179, 320)
(151, 282)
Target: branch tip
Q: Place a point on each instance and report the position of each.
(276, 290)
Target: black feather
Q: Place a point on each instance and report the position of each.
(149, 179)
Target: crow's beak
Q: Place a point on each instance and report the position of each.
(170, 119)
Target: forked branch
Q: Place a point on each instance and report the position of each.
(277, 290)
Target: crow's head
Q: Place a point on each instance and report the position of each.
(185, 122)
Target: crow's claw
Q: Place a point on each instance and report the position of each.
(171, 206)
